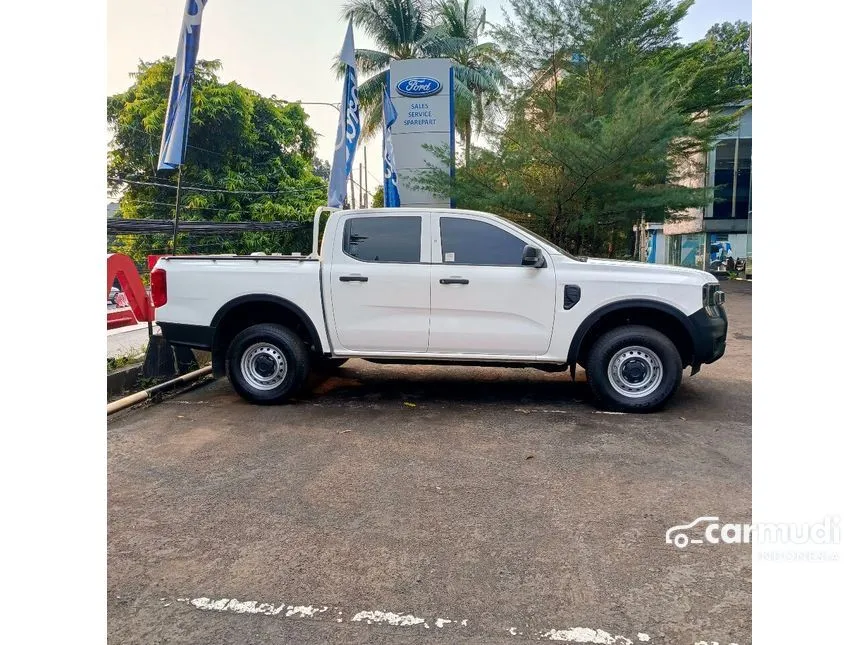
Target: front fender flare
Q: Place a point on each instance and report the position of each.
(619, 305)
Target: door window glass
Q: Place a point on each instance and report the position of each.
(468, 241)
(383, 239)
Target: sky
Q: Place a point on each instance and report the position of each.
(286, 48)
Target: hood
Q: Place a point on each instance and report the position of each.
(643, 270)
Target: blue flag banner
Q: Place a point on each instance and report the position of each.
(348, 127)
(175, 134)
(390, 192)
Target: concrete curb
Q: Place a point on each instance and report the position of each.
(147, 394)
(123, 379)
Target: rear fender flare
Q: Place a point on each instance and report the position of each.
(218, 349)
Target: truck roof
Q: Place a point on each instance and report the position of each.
(404, 210)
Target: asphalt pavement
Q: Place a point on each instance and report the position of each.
(433, 504)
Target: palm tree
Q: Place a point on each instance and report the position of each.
(478, 78)
(401, 29)
(420, 29)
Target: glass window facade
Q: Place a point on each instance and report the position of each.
(732, 179)
(686, 250)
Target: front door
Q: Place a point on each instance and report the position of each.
(380, 289)
(484, 301)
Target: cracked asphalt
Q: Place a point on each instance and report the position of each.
(497, 497)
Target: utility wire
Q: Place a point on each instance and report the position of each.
(128, 126)
(293, 190)
(191, 208)
(119, 226)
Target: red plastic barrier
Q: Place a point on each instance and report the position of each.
(120, 318)
(121, 267)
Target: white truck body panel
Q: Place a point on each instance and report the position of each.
(388, 313)
(199, 287)
(504, 313)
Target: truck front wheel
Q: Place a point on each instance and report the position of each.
(634, 368)
(267, 363)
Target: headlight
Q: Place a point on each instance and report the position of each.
(712, 295)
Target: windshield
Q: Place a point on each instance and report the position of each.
(555, 247)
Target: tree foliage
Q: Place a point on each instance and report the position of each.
(478, 77)
(248, 158)
(732, 39)
(608, 118)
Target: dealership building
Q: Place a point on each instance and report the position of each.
(716, 237)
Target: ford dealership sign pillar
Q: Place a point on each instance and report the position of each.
(422, 92)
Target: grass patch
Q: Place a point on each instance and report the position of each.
(124, 360)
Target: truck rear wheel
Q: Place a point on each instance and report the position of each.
(267, 363)
(634, 368)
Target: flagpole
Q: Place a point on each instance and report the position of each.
(176, 209)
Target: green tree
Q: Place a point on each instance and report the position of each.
(478, 77)
(378, 200)
(248, 158)
(732, 38)
(608, 119)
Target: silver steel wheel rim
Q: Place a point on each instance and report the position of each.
(263, 366)
(635, 372)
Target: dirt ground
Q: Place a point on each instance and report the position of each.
(433, 504)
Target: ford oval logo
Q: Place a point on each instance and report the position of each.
(419, 86)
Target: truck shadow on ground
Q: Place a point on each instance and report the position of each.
(704, 396)
(413, 384)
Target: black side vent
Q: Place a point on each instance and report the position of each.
(572, 292)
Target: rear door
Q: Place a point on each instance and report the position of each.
(380, 287)
(484, 301)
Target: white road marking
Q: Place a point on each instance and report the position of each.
(237, 607)
(304, 611)
(585, 635)
(388, 617)
(377, 617)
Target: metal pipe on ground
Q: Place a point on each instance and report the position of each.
(139, 397)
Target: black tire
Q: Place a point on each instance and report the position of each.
(282, 347)
(665, 380)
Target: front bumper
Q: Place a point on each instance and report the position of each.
(710, 326)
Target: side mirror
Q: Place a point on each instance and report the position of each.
(532, 257)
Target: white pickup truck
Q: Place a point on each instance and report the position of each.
(407, 285)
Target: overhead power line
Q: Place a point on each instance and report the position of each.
(203, 189)
(117, 226)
